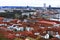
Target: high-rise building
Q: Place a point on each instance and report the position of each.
(45, 8)
(49, 7)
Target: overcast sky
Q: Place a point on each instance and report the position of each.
(55, 3)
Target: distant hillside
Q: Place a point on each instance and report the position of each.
(27, 7)
(15, 6)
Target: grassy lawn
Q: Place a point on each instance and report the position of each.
(3, 39)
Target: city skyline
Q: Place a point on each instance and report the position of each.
(36, 3)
